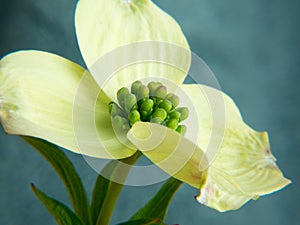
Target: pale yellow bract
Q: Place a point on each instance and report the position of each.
(37, 92)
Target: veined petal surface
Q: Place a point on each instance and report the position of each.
(170, 151)
(214, 110)
(37, 94)
(135, 38)
(242, 166)
(243, 169)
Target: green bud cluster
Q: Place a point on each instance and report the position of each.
(151, 103)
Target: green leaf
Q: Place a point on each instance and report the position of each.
(62, 214)
(157, 207)
(147, 221)
(65, 169)
(106, 192)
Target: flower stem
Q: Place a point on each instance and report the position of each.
(114, 189)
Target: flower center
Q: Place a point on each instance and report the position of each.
(151, 103)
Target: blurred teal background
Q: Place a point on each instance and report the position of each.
(252, 47)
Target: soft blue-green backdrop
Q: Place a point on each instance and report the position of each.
(253, 48)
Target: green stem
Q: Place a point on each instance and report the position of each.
(114, 190)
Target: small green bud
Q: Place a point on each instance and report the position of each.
(130, 102)
(166, 105)
(114, 109)
(161, 92)
(121, 95)
(147, 105)
(181, 129)
(160, 113)
(145, 116)
(154, 99)
(133, 117)
(152, 87)
(143, 92)
(174, 115)
(172, 124)
(184, 113)
(121, 122)
(156, 120)
(173, 98)
(135, 87)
